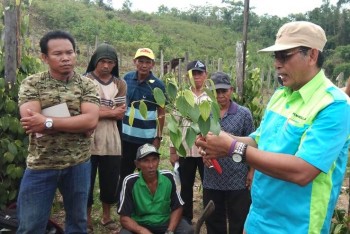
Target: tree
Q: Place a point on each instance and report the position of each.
(126, 7)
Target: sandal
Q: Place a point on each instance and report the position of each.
(110, 225)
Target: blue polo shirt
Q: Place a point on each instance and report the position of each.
(312, 123)
(143, 130)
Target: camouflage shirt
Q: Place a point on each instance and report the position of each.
(62, 149)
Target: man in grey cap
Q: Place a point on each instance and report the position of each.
(149, 201)
(106, 146)
(229, 190)
(300, 149)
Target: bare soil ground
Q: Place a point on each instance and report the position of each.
(58, 213)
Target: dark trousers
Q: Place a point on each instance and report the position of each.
(229, 205)
(127, 165)
(188, 168)
(108, 174)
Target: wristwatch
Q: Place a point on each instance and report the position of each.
(48, 123)
(239, 153)
(169, 232)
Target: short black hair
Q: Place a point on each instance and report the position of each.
(58, 34)
(320, 58)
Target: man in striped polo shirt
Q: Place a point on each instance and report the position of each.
(140, 85)
(300, 149)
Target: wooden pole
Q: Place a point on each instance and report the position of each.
(220, 64)
(245, 33)
(10, 41)
(239, 69)
(161, 64)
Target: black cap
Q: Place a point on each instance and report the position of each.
(196, 65)
(145, 150)
(221, 80)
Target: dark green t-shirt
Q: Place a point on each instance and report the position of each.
(146, 209)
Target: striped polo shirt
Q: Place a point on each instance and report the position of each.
(312, 123)
(143, 130)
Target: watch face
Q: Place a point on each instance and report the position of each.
(236, 158)
(48, 123)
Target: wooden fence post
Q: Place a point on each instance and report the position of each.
(240, 69)
(220, 64)
(11, 42)
(340, 79)
(161, 64)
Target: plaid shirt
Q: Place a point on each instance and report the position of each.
(238, 121)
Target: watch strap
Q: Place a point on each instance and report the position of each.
(241, 150)
(232, 147)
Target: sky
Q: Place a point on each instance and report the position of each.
(280, 8)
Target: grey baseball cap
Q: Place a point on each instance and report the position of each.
(221, 80)
(145, 150)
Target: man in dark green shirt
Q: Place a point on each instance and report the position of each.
(149, 202)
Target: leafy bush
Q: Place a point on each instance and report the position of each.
(13, 144)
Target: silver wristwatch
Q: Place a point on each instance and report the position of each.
(48, 123)
(239, 152)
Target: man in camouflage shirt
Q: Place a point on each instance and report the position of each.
(59, 141)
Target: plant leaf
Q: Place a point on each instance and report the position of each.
(171, 90)
(182, 105)
(215, 111)
(193, 113)
(159, 97)
(204, 125)
(189, 97)
(172, 123)
(215, 126)
(132, 114)
(143, 109)
(190, 137)
(9, 157)
(181, 150)
(176, 138)
(204, 109)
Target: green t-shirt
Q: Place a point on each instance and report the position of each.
(145, 208)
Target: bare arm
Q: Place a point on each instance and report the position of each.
(131, 225)
(281, 166)
(116, 113)
(175, 218)
(173, 155)
(33, 121)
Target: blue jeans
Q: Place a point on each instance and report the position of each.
(37, 191)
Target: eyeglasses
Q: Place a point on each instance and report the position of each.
(283, 57)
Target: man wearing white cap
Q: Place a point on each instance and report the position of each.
(300, 149)
(149, 201)
(140, 85)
